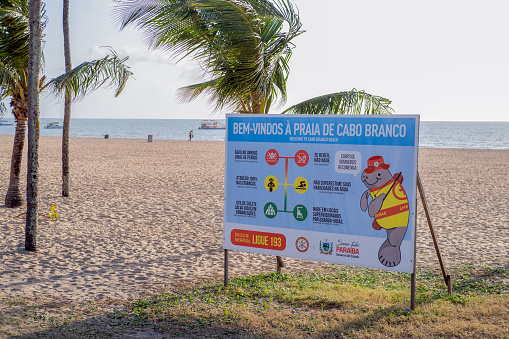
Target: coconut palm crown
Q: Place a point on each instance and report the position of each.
(14, 42)
(244, 48)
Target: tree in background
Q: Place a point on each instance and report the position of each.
(67, 103)
(244, 48)
(14, 54)
(34, 67)
(14, 65)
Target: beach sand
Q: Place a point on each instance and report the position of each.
(144, 216)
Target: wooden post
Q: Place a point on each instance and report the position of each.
(412, 276)
(225, 267)
(447, 278)
(412, 292)
(449, 285)
(279, 264)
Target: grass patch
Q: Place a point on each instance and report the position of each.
(339, 301)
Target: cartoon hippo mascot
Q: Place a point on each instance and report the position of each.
(388, 207)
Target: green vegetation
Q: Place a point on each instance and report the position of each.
(339, 301)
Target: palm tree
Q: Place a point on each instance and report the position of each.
(67, 103)
(244, 48)
(88, 76)
(34, 67)
(14, 43)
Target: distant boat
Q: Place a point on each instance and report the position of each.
(211, 124)
(53, 125)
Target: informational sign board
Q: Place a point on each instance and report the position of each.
(329, 188)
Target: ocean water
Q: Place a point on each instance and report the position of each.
(461, 134)
(165, 129)
(433, 134)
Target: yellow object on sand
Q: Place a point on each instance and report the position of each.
(53, 215)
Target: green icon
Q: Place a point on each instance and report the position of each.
(270, 210)
(300, 212)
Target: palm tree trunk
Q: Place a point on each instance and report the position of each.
(13, 197)
(256, 104)
(34, 67)
(67, 104)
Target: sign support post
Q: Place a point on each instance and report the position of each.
(279, 264)
(225, 267)
(447, 277)
(412, 291)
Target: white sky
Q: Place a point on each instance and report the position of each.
(446, 60)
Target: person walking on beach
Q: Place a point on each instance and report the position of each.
(190, 135)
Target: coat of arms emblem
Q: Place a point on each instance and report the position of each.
(326, 247)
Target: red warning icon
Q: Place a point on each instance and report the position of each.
(272, 157)
(301, 158)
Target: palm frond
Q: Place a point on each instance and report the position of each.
(3, 109)
(282, 9)
(188, 93)
(217, 93)
(9, 79)
(239, 43)
(110, 70)
(351, 102)
(14, 32)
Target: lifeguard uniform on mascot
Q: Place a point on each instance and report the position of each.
(388, 206)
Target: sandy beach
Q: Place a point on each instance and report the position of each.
(143, 216)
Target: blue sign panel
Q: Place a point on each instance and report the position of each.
(339, 189)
